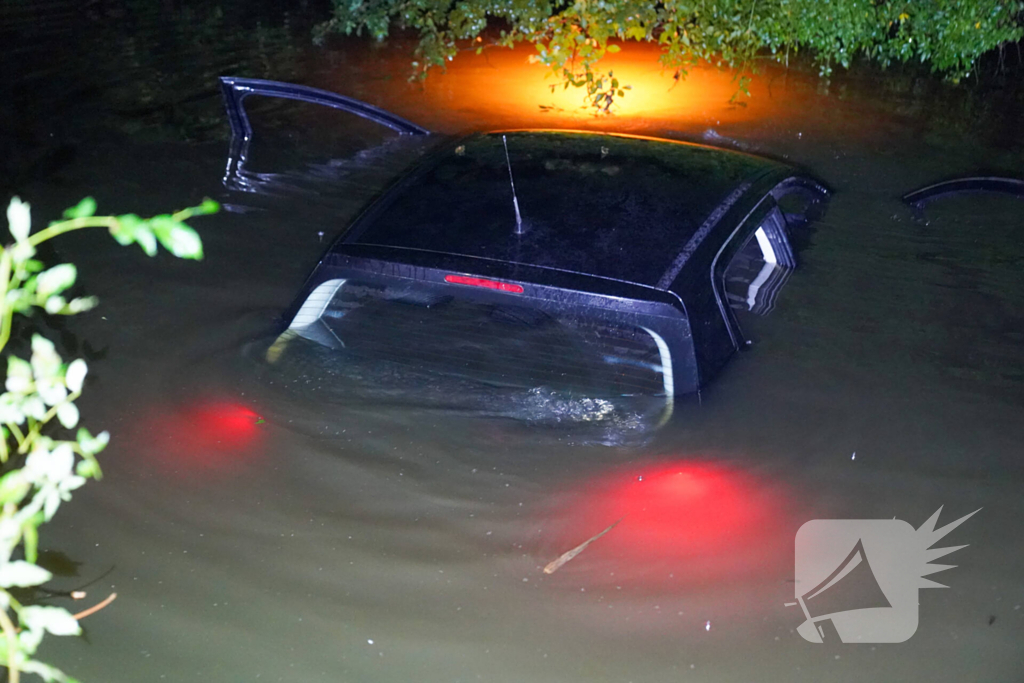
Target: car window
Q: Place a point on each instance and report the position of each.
(290, 134)
(760, 268)
(500, 345)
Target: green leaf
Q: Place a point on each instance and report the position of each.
(13, 487)
(55, 620)
(74, 376)
(22, 574)
(34, 407)
(613, 48)
(90, 444)
(87, 468)
(51, 390)
(144, 236)
(29, 640)
(46, 361)
(636, 32)
(19, 375)
(55, 305)
(82, 303)
(177, 238)
(10, 413)
(207, 207)
(55, 280)
(43, 466)
(183, 242)
(19, 219)
(51, 502)
(124, 230)
(84, 209)
(49, 674)
(67, 413)
(22, 251)
(30, 534)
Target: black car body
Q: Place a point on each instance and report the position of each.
(607, 265)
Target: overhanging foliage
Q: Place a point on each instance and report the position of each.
(570, 38)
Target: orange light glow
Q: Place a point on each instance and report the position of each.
(502, 89)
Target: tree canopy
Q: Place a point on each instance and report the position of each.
(571, 37)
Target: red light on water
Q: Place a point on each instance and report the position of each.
(225, 424)
(482, 282)
(682, 523)
(217, 435)
(694, 508)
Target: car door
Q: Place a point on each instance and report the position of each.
(755, 263)
(292, 140)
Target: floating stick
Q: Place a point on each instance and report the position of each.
(565, 557)
(96, 608)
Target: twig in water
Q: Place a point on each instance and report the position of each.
(554, 566)
(97, 607)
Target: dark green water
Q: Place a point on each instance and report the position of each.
(354, 541)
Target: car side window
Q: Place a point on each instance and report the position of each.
(760, 267)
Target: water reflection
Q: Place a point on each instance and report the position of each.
(683, 523)
(210, 436)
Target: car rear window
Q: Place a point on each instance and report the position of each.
(507, 346)
(602, 205)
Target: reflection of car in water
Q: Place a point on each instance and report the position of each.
(589, 276)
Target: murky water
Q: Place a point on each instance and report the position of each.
(258, 527)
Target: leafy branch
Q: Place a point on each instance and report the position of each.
(43, 389)
(572, 37)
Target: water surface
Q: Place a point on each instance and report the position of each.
(260, 527)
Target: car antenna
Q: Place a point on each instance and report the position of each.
(515, 201)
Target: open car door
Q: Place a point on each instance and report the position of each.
(918, 199)
(292, 140)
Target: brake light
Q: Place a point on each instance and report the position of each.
(481, 282)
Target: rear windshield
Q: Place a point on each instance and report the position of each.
(595, 204)
(495, 345)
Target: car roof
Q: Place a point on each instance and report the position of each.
(614, 206)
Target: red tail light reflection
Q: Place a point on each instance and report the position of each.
(682, 524)
(216, 435)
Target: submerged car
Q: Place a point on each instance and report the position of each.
(596, 267)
